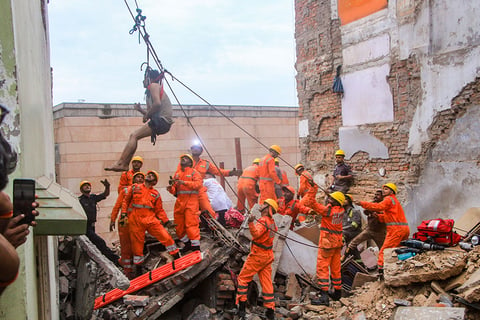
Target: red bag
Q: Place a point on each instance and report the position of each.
(234, 218)
(437, 231)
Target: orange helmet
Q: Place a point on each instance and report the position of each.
(155, 174)
(85, 182)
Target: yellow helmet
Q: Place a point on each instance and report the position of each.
(340, 152)
(391, 186)
(138, 173)
(137, 158)
(272, 203)
(85, 182)
(339, 196)
(276, 160)
(188, 156)
(276, 148)
(155, 173)
(298, 166)
(256, 161)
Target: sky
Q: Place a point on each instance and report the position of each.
(228, 52)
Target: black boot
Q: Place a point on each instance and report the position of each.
(336, 295)
(176, 256)
(270, 314)
(321, 300)
(187, 247)
(241, 309)
(195, 248)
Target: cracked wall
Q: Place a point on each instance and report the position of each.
(404, 69)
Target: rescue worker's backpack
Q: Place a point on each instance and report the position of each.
(437, 231)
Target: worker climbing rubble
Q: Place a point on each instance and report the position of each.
(260, 259)
(329, 247)
(185, 185)
(126, 254)
(390, 212)
(147, 215)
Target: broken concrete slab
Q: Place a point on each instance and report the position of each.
(136, 301)
(424, 267)
(429, 313)
(369, 258)
(310, 232)
(469, 219)
(299, 255)
(472, 282)
(362, 278)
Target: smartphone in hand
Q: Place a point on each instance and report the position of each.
(23, 197)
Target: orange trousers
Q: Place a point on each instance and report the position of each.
(395, 234)
(329, 259)
(126, 253)
(187, 218)
(261, 264)
(141, 220)
(246, 192)
(267, 191)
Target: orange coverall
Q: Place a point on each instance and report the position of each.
(293, 209)
(329, 245)
(203, 166)
(126, 179)
(267, 178)
(395, 220)
(123, 232)
(147, 215)
(306, 190)
(246, 187)
(186, 209)
(259, 261)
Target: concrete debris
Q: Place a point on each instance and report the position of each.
(422, 313)
(429, 282)
(424, 267)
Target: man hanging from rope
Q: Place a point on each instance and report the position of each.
(157, 117)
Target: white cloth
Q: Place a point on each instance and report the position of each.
(217, 196)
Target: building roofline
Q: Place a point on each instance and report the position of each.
(114, 110)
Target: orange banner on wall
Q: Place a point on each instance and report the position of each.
(352, 10)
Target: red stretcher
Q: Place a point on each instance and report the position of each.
(149, 278)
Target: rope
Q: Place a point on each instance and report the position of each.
(140, 27)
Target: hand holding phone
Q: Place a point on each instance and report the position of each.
(23, 199)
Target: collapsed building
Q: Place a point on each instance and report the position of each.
(443, 283)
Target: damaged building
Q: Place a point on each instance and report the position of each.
(406, 111)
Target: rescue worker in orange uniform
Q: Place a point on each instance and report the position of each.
(147, 215)
(185, 185)
(203, 166)
(393, 217)
(288, 205)
(307, 190)
(329, 247)
(246, 186)
(282, 174)
(260, 259)
(126, 253)
(267, 175)
(126, 179)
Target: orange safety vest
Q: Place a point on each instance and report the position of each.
(249, 176)
(126, 179)
(331, 227)
(203, 166)
(305, 186)
(393, 214)
(263, 233)
(193, 182)
(141, 198)
(266, 170)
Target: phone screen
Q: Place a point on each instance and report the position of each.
(23, 197)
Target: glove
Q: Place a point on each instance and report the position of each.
(171, 181)
(167, 224)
